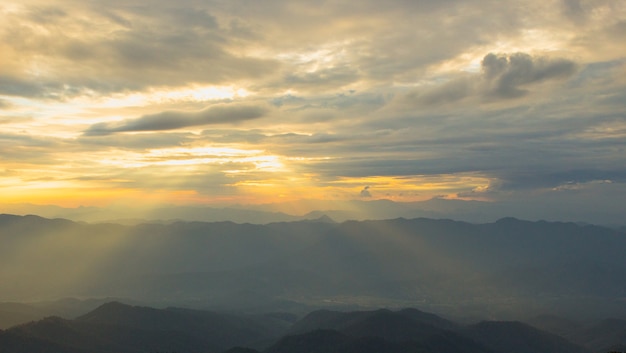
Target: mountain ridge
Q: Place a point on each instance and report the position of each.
(541, 267)
(121, 328)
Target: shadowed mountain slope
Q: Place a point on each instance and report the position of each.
(408, 330)
(116, 327)
(16, 343)
(606, 335)
(120, 328)
(516, 337)
(330, 341)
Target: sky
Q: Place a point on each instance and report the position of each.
(220, 102)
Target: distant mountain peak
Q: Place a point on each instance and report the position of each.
(113, 310)
(508, 220)
(324, 219)
(113, 305)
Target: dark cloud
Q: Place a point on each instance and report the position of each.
(171, 120)
(523, 180)
(507, 76)
(573, 9)
(365, 192)
(502, 77)
(602, 73)
(13, 86)
(30, 86)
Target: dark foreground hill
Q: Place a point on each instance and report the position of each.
(411, 330)
(516, 337)
(374, 331)
(120, 328)
(116, 327)
(600, 336)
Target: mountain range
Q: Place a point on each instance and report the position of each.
(121, 328)
(505, 269)
(340, 211)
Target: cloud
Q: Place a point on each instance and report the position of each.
(451, 91)
(171, 120)
(503, 77)
(558, 179)
(13, 86)
(365, 192)
(335, 77)
(507, 75)
(527, 95)
(33, 150)
(101, 48)
(135, 141)
(573, 9)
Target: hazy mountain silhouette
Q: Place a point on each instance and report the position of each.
(241, 350)
(330, 341)
(366, 323)
(427, 332)
(11, 342)
(12, 314)
(507, 268)
(92, 337)
(557, 325)
(374, 331)
(605, 335)
(116, 327)
(600, 336)
(220, 329)
(516, 337)
(121, 328)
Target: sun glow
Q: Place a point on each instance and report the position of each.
(194, 93)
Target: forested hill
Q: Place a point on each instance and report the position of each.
(122, 328)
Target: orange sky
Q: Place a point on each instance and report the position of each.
(235, 102)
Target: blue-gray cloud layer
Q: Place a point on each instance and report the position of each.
(171, 120)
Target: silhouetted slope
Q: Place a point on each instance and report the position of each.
(317, 341)
(516, 337)
(614, 348)
(241, 350)
(429, 318)
(408, 330)
(100, 338)
(557, 325)
(15, 343)
(12, 314)
(330, 341)
(120, 328)
(388, 325)
(221, 330)
(602, 336)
